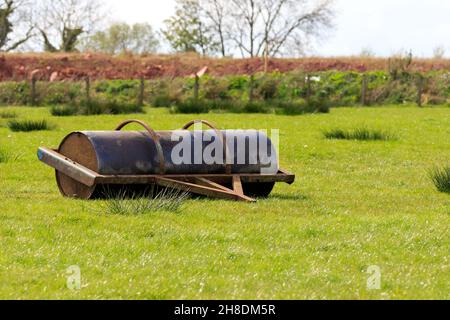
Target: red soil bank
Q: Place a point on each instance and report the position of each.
(18, 67)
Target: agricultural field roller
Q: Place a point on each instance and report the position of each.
(242, 165)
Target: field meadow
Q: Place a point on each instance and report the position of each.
(355, 204)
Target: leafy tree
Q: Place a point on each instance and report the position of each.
(138, 38)
(187, 31)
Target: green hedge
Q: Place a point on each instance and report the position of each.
(337, 88)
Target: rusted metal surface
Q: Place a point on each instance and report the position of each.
(88, 163)
(155, 138)
(136, 153)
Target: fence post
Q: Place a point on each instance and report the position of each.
(141, 92)
(196, 87)
(420, 83)
(33, 90)
(308, 87)
(364, 90)
(88, 89)
(251, 88)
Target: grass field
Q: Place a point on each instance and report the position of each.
(355, 204)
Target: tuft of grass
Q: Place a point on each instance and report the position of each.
(167, 200)
(8, 115)
(7, 156)
(360, 134)
(63, 111)
(441, 178)
(29, 125)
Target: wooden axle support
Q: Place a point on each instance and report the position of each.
(210, 185)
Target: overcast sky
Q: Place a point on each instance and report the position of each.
(384, 26)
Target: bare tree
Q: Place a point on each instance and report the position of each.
(275, 27)
(63, 22)
(246, 15)
(216, 13)
(15, 22)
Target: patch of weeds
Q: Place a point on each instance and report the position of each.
(29, 125)
(257, 107)
(359, 134)
(63, 111)
(167, 200)
(96, 107)
(163, 101)
(7, 156)
(192, 106)
(441, 178)
(303, 107)
(8, 115)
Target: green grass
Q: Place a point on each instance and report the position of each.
(29, 125)
(354, 205)
(441, 178)
(361, 134)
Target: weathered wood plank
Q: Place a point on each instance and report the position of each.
(237, 185)
(68, 167)
(201, 190)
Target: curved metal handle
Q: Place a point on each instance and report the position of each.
(154, 136)
(220, 134)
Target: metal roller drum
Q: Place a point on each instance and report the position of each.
(118, 153)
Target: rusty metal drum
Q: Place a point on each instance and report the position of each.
(118, 153)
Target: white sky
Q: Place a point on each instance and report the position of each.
(384, 26)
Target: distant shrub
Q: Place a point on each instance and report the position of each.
(300, 107)
(398, 65)
(29, 125)
(268, 88)
(163, 101)
(441, 178)
(63, 111)
(215, 89)
(56, 93)
(14, 93)
(117, 87)
(8, 115)
(360, 134)
(96, 107)
(238, 83)
(257, 107)
(192, 106)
